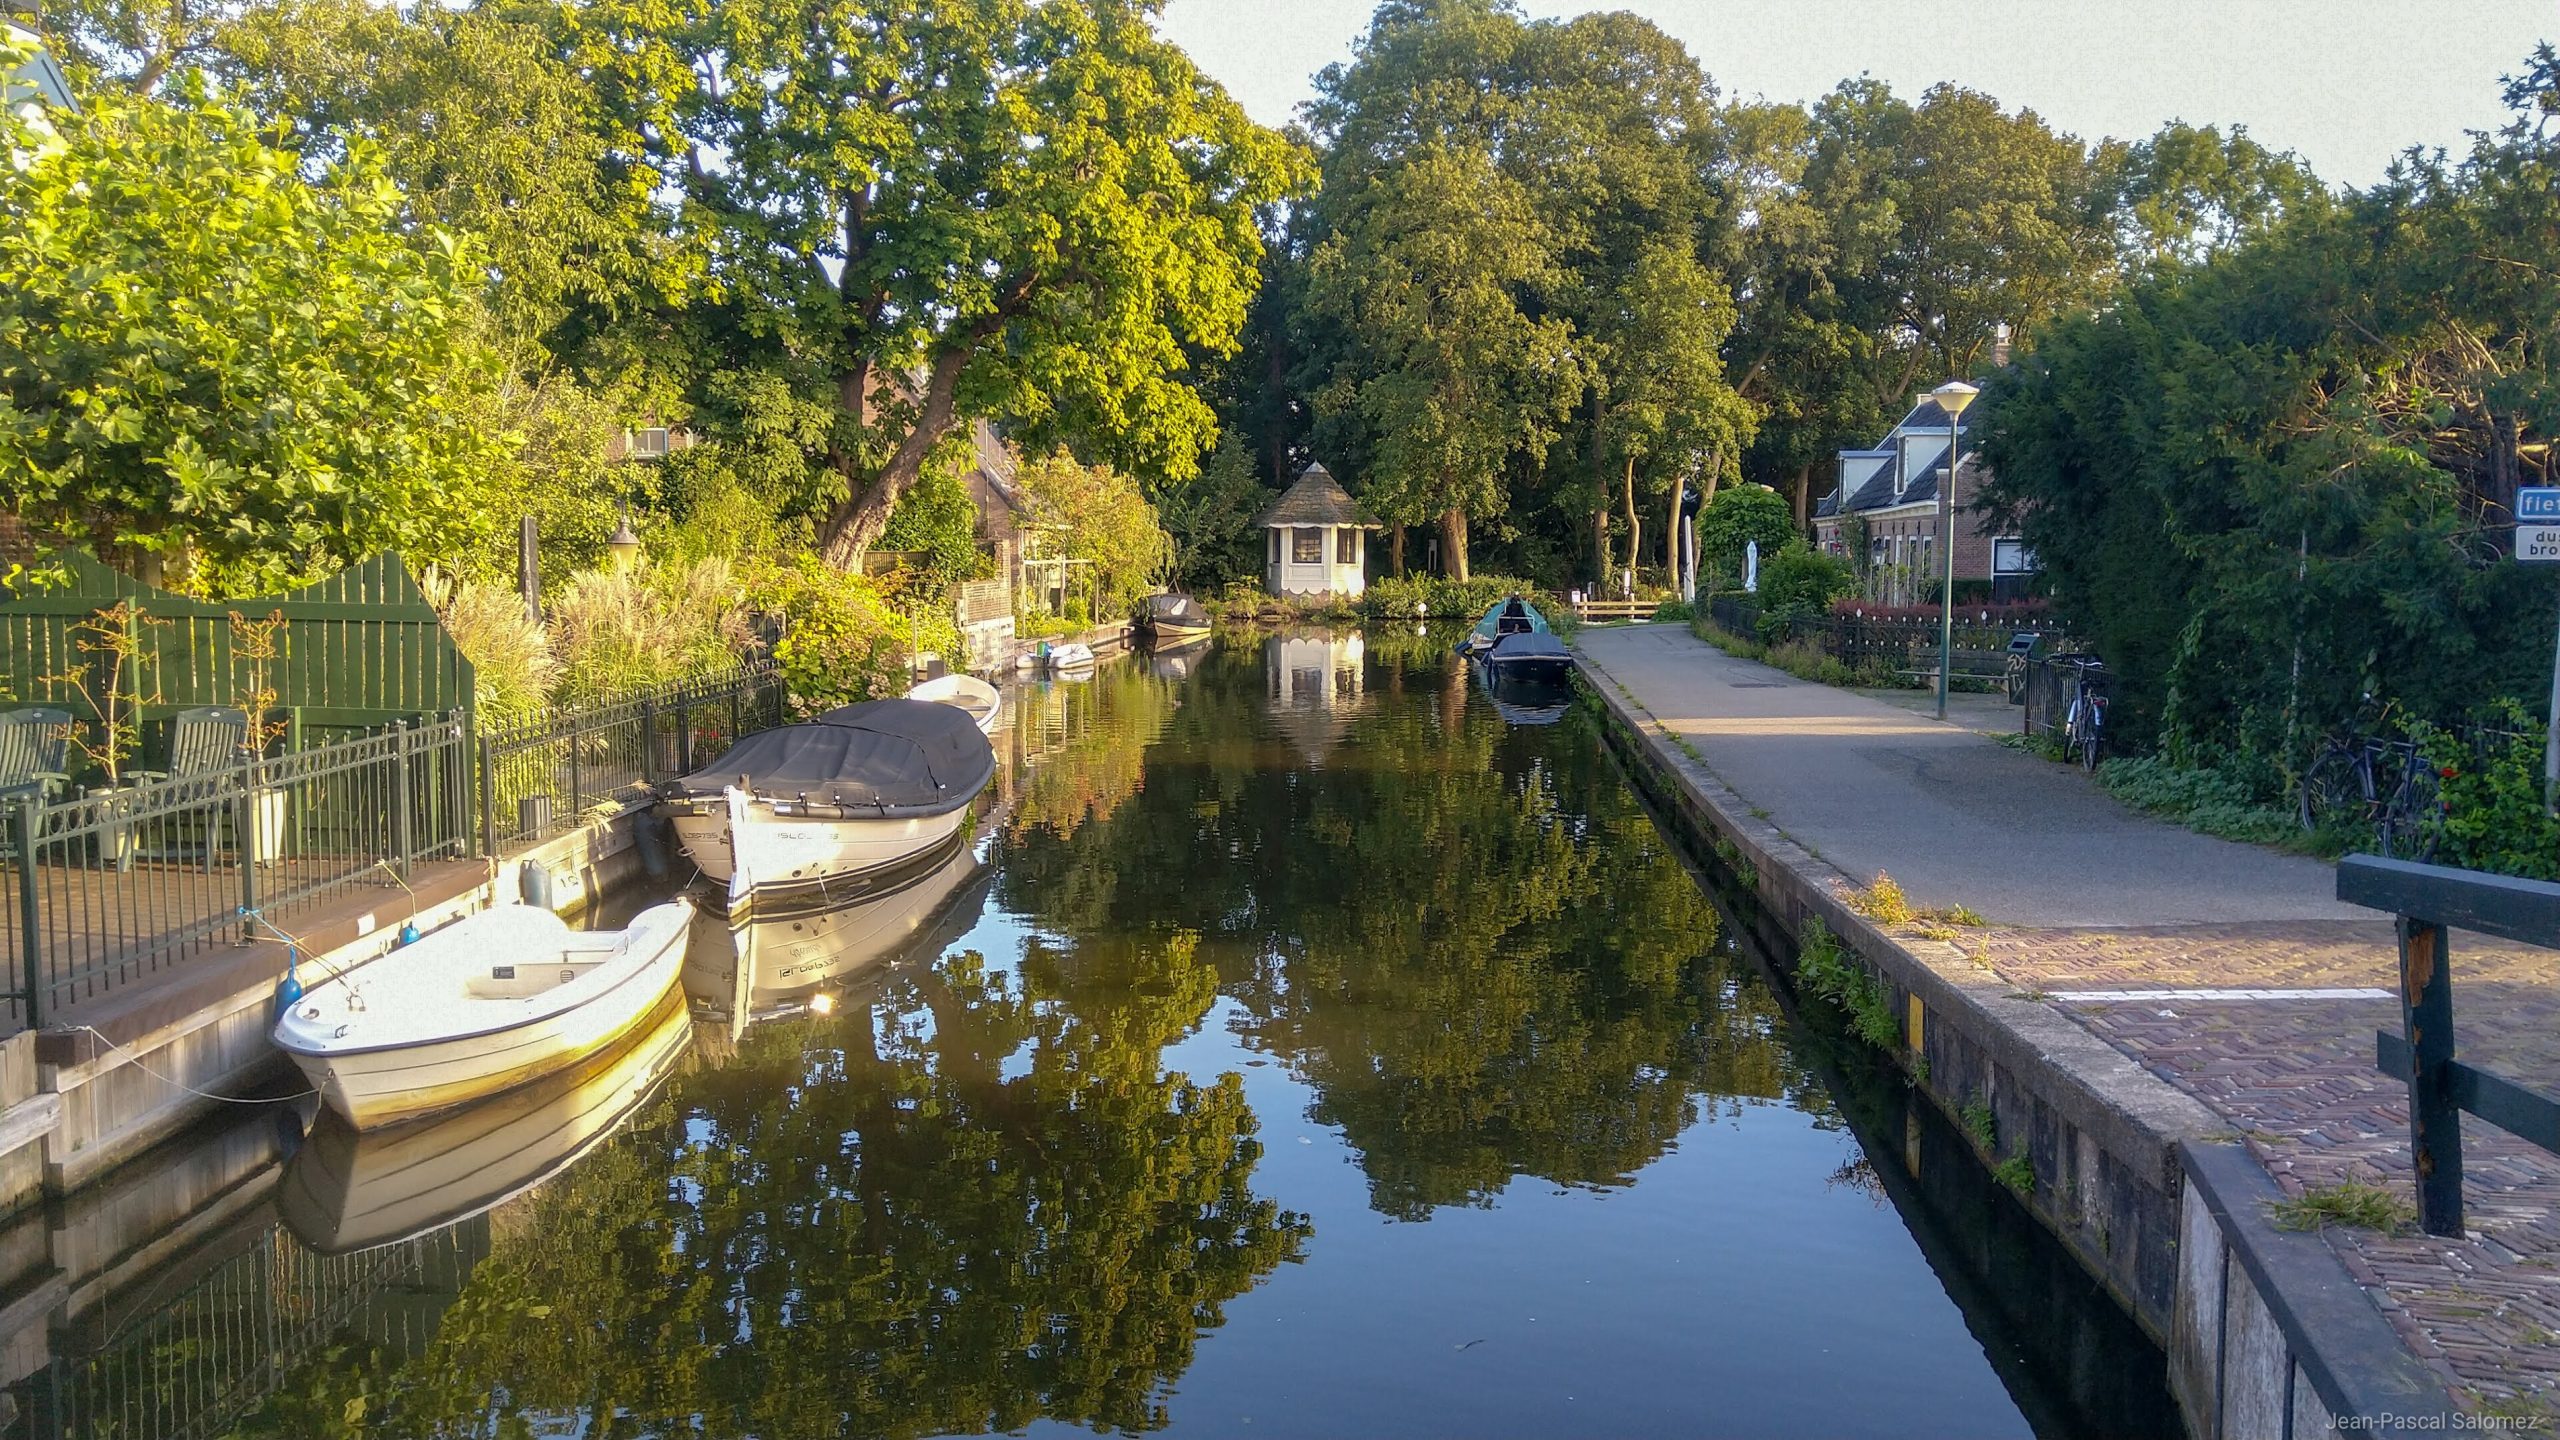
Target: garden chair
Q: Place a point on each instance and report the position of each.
(34, 743)
(202, 741)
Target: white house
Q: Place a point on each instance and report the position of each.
(1319, 539)
(37, 83)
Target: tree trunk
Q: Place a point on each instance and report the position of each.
(1395, 549)
(1804, 495)
(1671, 536)
(856, 524)
(1635, 523)
(1453, 537)
(1600, 550)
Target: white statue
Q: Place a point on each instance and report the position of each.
(1751, 566)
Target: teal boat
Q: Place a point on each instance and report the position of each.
(1512, 616)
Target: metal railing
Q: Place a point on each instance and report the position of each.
(1875, 646)
(2429, 902)
(549, 774)
(2050, 683)
(121, 884)
(252, 1326)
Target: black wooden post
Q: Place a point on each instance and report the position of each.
(649, 737)
(2435, 1119)
(22, 820)
(488, 748)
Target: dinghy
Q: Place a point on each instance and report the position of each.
(483, 1005)
(1172, 618)
(1057, 659)
(348, 1190)
(1528, 656)
(982, 701)
(859, 787)
(1513, 616)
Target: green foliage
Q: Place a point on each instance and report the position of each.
(1674, 612)
(1102, 519)
(616, 631)
(2018, 1174)
(913, 214)
(1982, 1125)
(1210, 517)
(2269, 484)
(2212, 801)
(1736, 516)
(513, 668)
(1439, 597)
(2492, 791)
(255, 375)
(2352, 1204)
(1801, 581)
(939, 517)
(1883, 902)
(841, 640)
(1828, 971)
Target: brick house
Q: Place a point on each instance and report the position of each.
(1896, 493)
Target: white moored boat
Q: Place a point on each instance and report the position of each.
(485, 1004)
(859, 787)
(1074, 655)
(346, 1191)
(982, 701)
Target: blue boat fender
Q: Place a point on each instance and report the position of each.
(288, 989)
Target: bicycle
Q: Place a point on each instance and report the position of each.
(2084, 725)
(2366, 782)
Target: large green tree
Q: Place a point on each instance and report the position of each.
(219, 366)
(981, 208)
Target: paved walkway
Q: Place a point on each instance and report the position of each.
(2228, 970)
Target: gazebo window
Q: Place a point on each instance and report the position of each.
(1308, 548)
(1346, 546)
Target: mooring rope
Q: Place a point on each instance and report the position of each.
(134, 1058)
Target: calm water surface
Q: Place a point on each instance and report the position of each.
(1306, 1049)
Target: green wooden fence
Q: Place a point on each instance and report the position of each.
(360, 649)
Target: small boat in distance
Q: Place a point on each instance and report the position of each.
(1074, 655)
(982, 701)
(1528, 656)
(1172, 618)
(483, 1005)
(859, 787)
(347, 1190)
(1512, 616)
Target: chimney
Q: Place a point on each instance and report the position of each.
(2000, 345)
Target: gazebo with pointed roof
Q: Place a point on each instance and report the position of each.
(1318, 545)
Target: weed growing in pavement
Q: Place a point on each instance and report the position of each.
(2359, 1206)
(1953, 915)
(1883, 902)
(1937, 932)
(1826, 969)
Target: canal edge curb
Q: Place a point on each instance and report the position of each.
(2145, 1186)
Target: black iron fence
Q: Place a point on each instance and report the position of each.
(557, 770)
(2429, 903)
(122, 883)
(1880, 650)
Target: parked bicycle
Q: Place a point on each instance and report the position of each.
(2359, 782)
(2084, 724)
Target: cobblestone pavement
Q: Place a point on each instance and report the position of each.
(2296, 1076)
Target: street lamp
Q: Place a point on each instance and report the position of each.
(624, 545)
(1952, 397)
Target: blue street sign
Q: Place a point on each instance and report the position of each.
(2538, 504)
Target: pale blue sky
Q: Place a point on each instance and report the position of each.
(2345, 83)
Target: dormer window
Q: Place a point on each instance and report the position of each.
(650, 444)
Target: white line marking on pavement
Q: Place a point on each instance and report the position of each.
(2334, 993)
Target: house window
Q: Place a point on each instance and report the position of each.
(1346, 546)
(1307, 548)
(1275, 547)
(2012, 557)
(650, 444)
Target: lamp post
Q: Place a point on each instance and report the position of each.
(1952, 397)
(623, 545)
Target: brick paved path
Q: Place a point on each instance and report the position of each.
(1871, 786)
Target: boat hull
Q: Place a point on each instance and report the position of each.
(789, 854)
(790, 951)
(387, 1085)
(1529, 670)
(348, 1190)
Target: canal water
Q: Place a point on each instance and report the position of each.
(1308, 1045)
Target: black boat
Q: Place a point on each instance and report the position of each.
(1173, 618)
(1528, 655)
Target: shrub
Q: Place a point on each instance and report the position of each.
(512, 666)
(2492, 796)
(1802, 581)
(615, 631)
(2212, 801)
(1106, 521)
(1826, 970)
(1736, 516)
(1671, 610)
(1883, 902)
(841, 640)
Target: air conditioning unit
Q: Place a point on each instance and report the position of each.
(649, 444)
